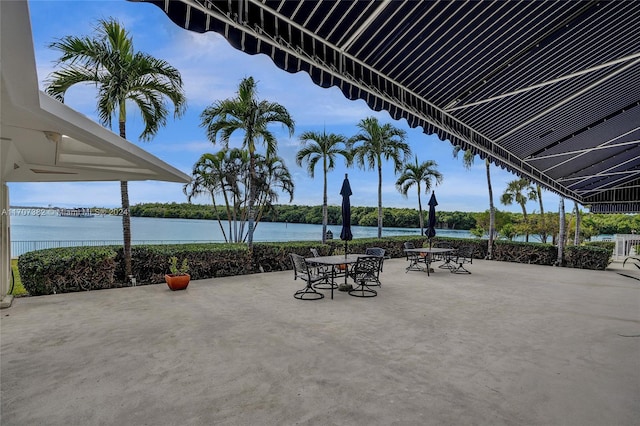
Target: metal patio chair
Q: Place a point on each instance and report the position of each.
(310, 276)
(322, 270)
(463, 256)
(414, 258)
(446, 258)
(376, 251)
(365, 273)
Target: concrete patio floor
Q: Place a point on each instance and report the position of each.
(510, 344)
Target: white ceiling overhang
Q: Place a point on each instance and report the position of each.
(43, 140)
(549, 90)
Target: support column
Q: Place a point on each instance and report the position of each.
(5, 247)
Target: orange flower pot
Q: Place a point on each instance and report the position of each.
(177, 282)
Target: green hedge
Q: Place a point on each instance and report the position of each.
(269, 257)
(392, 245)
(585, 257)
(521, 252)
(609, 245)
(63, 270)
(479, 246)
(88, 268)
(150, 263)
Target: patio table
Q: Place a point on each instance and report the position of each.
(413, 265)
(334, 262)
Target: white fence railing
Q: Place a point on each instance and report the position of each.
(21, 247)
(625, 246)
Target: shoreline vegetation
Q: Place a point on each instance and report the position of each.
(591, 224)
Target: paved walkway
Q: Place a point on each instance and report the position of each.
(510, 344)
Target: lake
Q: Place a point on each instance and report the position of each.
(33, 232)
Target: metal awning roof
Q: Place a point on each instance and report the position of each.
(549, 90)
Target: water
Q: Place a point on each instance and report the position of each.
(108, 230)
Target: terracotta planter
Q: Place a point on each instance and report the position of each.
(177, 282)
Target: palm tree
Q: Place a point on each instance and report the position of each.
(120, 74)
(225, 174)
(543, 231)
(379, 143)
(247, 113)
(519, 191)
(417, 174)
(467, 161)
(210, 176)
(561, 233)
(576, 235)
(322, 147)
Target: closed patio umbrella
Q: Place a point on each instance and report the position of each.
(431, 223)
(346, 234)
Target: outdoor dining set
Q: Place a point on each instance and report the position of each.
(452, 259)
(321, 272)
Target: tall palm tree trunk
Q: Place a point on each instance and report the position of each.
(526, 221)
(126, 227)
(576, 235)
(215, 209)
(124, 197)
(562, 237)
(543, 233)
(379, 199)
(420, 211)
(325, 213)
(492, 213)
(252, 200)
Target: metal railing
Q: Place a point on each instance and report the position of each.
(625, 246)
(21, 247)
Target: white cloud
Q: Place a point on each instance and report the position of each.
(199, 147)
(92, 194)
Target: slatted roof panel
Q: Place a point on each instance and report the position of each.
(549, 90)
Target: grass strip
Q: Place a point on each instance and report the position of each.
(18, 289)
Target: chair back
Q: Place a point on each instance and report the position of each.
(465, 254)
(367, 269)
(410, 255)
(314, 252)
(375, 251)
(442, 256)
(300, 268)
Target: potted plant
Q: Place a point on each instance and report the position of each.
(177, 279)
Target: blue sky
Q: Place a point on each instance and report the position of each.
(211, 70)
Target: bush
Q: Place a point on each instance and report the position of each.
(68, 269)
(269, 257)
(151, 262)
(533, 253)
(393, 246)
(585, 257)
(479, 246)
(609, 245)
